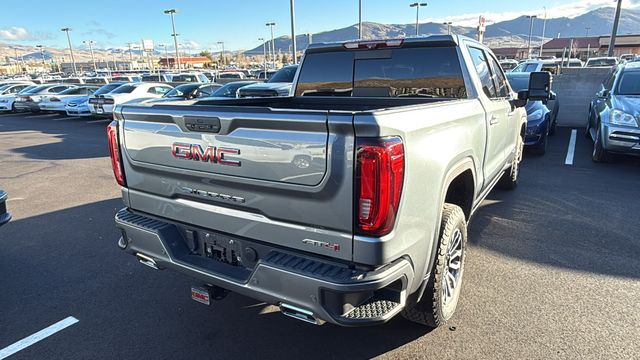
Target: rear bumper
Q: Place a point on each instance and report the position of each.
(328, 291)
(5, 216)
(51, 107)
(621, 139)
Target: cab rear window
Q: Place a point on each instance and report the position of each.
(401, 72)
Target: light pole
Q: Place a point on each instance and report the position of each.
(93, 60)
(130, 54)
(73, 60)
(166, 54)
(417, 6)
(359, 19)
(264, 54)
(448, 23)
(224, 59)
(175, 35)
(614, 31)
(273, 45)
(41, 47)
(587, 31)
(294, 51)
(544, 26)
(530, 17)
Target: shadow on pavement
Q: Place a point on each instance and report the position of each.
(69, 139)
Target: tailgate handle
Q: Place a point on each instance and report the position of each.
(202, 124)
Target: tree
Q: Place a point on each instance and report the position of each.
(207, 54)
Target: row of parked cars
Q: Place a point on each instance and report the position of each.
(86, 99)
(553, 64)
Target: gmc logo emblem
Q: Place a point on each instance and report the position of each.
(210, 154)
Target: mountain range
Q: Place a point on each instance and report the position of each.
(508, 33)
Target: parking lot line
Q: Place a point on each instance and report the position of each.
(40, 335)
(67, 118)
(38, 116)
(98, 121)
(572, 148)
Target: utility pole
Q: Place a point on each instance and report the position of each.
(544, 25)
(530, 17)
(417, 6)
(40, 47)
(448, 23)
(614, 31)
(264, 54)
(130, 53)
(224, 59)
(587, 31)
(359, 19)
(73, 60)
(175, 35)
(93, 60)
(293, 32)
(273, 45)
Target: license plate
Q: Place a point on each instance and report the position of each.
(100, 110)
(200, 295)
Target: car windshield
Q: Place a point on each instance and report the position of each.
(105, 89)
(181, 91)
(38, 89)
(229, 90)
(284, 75)
(28, 89)
(601, 62)
(124, 89)
(629, 83)
(518, 83)
(5, 87)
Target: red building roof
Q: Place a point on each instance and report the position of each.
(578, 42)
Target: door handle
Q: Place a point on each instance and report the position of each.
(494, 120)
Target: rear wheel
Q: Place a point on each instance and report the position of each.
(442, 293)
(600, 154)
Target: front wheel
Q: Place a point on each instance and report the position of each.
(600, 154)
(442, 293)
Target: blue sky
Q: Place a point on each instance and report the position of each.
(201, 24)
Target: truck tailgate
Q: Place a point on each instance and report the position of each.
(278, 176)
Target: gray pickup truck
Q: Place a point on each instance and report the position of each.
(346, 202)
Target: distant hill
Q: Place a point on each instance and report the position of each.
(514, 31)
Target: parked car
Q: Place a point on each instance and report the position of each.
(30, 101)
(410, 136)
(8, 94)
(7, 102)
(59, 101)
(551, 65)
(105, 89)
(126, 78)
(230, 90)
(614, 114)
(278, 85)
(127, 93)
(229, 76)
(627, 57)
(78, 107)
(5, 216)
(98, 80)
(605, 61)
(156, 78)
(541, 122)
(188, 91)
(508, 64)
(193, 77)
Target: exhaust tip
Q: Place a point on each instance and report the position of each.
(299, 314)
(122, 243)
(145, 260)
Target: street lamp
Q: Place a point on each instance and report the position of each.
(587, 31)
(359, 19)
(530, 17)
(614, 31)
(544, 25)
(93, 60)
(166, 54)
(175, 35)
(224, 60)
(73, 60)
(41, 48)
(264, 54)
(448, 23)
(417, 6)
(293, 33)
(273, 45)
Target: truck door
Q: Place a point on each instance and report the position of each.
(497, 116)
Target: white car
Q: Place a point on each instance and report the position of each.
(126, 78)
(59, 101)
(105, 89)
(103, 105)
(78, 107)
(604, 61)
(8, 94)
(189, 77)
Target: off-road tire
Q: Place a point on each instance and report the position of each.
(431, 309)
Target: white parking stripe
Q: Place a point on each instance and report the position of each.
(40, 335)
(572, 148)
(98, 121)
(39, 116)
(67, 118)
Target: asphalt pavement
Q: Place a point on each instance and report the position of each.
(553, 269)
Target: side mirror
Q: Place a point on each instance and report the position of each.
(604, 93)
(539, 86)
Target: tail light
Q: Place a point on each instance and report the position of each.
(28, 98)
(375, 44)
(108, 101)
(379, 179)
(114, 152)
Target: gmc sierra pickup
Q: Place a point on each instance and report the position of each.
(346, 202)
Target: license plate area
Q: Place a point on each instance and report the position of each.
(201, 295)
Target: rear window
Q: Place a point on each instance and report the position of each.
(105, 89)
(95, 81)
(185, 78)
(404, 72)
(284, 75)
(124, 89)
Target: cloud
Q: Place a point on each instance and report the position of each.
(94, 24)
(99, 32)
(569, 10)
